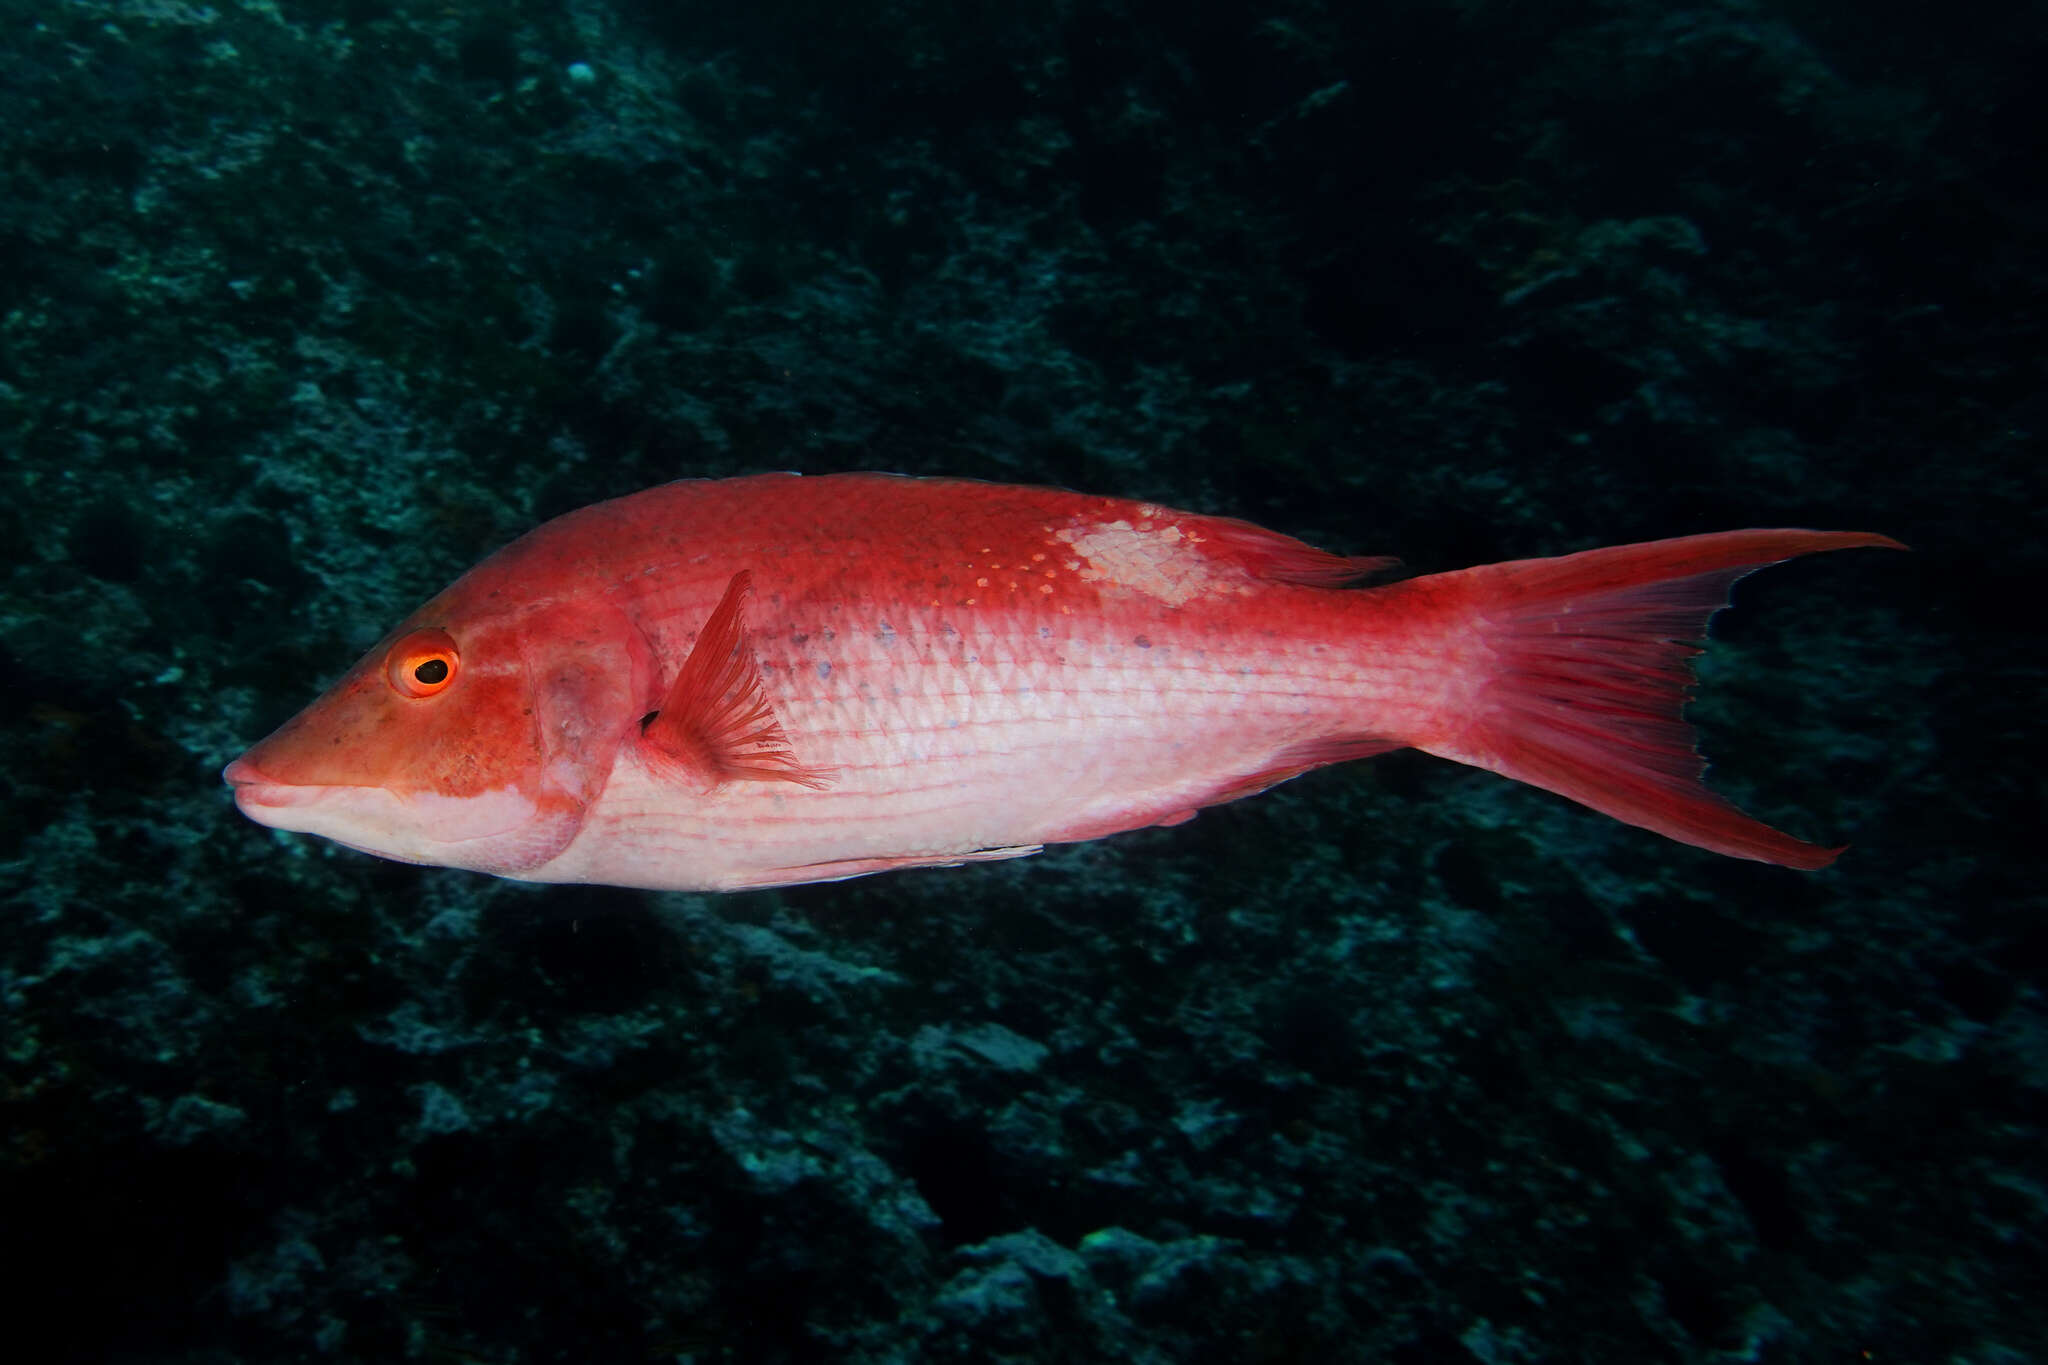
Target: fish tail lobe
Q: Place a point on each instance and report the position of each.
(1578, 669)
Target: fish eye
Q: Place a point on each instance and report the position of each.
(422, 664)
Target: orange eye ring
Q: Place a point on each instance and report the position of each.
(423, 664)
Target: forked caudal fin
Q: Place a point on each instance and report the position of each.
(1583, 669)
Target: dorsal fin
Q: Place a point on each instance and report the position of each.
(1283, 559)
(716, 725)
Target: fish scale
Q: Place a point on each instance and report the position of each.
(1010, 762)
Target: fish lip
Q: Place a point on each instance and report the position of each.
(254, 787)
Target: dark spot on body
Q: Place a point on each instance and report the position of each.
(1141, 642)
(824, 669)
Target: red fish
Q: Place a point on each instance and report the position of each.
(771, 680)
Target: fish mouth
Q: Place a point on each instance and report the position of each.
(254, 787)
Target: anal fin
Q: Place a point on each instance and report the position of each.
(1291, 761)
(716, 724)
(841, 869)
(1305, 756)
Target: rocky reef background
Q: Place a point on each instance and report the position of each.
(306, 307)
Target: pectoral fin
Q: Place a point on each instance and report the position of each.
(716, 724)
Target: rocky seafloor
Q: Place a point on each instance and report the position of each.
(306, 307)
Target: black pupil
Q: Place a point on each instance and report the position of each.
(430, 671)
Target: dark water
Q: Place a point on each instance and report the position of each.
(305, 307)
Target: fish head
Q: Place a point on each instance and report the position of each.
(472, 736)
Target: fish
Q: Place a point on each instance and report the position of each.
(719, 685)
